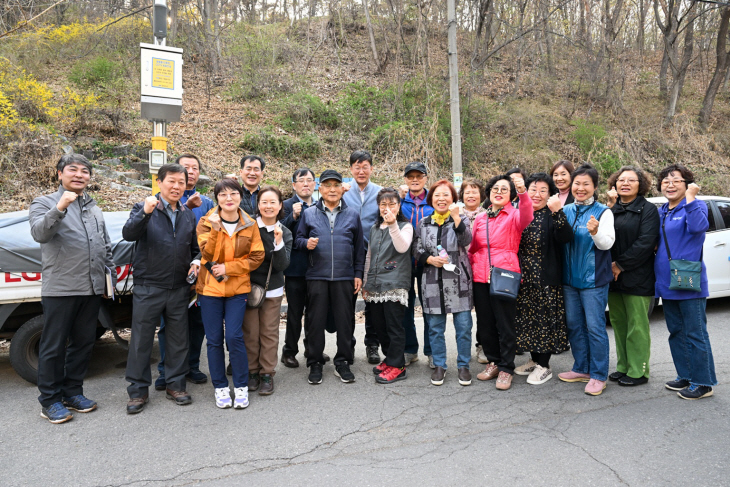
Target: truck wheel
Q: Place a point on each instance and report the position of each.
(24, 349)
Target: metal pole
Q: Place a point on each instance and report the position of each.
(454, 94)
(159, 129)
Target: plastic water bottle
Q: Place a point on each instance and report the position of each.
(442, 252)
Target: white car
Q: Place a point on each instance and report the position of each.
(716, 251)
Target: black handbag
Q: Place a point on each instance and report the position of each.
(503, 284)
(684, 275)
(258, 293)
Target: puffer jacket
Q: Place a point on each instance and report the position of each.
(443, 291)
(585, 266)
(241, 253)
(505, 233)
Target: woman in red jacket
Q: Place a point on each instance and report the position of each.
(496, 317)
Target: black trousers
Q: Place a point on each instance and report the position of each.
(149, 303)
(541, 359)
(496, 327)
(61, 369)
(388, 321)
(296, 298)
(321, 297)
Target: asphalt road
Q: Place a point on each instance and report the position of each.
(408, 433)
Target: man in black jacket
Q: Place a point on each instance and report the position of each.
(333, 235)
(252, 172)
(167, 243)
(303, 183)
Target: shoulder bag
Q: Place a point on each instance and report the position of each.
(503, 284)
(258, 293)
(684, 275)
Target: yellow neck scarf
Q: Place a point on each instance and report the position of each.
(439, 219)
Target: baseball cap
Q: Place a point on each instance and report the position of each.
(330, 174)
(415, 166)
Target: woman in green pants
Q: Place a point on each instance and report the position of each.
(636, 222)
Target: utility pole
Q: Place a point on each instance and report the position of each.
(161, 88)
(454, 94)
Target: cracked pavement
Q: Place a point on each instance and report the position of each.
(370, 434)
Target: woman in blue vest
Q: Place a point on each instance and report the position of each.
(387, 281)
(586, 276)
(683, 225)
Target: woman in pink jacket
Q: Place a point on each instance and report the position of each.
(496, 317)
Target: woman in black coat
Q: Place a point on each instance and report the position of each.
(636, 222)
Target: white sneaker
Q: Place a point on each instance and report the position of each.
(430, 361)
(223, 397)
(540, 375)
(410, 358)
(526, 369)
(241, 401)
(481, 358)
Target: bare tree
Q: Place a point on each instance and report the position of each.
(721, 68)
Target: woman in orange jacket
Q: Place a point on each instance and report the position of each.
(231, 248)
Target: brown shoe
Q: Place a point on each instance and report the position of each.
(181, 398)
(290, 361)
(504, 381)
(437, 378)
(136, 404)
(464, 376)
(267, 385)
(490, 372)
(254, 380)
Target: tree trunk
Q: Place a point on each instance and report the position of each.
(372, 35)
(642, 23)
(663, 75)
(721, 67)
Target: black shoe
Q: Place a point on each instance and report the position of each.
(315, 374)
(196, 377)
(253, 382)
(372, 352)
(616, 376)
(136, 404)
(181, 398)
(290, 361)
(630, 381)
(160, 384)
(677, 384)
(693, 392)
(344, 373)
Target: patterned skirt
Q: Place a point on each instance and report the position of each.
(540, 323)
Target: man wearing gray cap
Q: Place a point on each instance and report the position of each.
(333, 236)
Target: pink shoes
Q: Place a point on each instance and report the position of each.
(595, 387)
(573, 377)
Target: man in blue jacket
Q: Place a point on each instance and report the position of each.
(362, 197)
(333, 235)
(415, 208)
(201, 205)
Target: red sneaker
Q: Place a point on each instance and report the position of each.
(390, 375)
(379, 368)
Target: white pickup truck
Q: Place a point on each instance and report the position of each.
(21, 313)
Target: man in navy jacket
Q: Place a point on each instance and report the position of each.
(333, 235)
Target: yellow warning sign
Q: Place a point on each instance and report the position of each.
(163, 73)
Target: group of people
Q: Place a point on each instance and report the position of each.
(537, 257)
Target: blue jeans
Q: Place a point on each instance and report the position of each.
(196, 331)
(409, 322)
(585, 311)
(462, 326)
(215, 311)
(689, 341)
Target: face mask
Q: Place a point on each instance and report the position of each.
(452, 268)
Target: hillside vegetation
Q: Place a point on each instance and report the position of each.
(304, 90)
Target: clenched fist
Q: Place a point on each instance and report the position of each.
(554, 203)
(519, 184)
(194, 201)
(67, 198)
(296, 209)
(454, 210)
(149, 204)
(278, 234)
(215, 222)
(611, 197)
(592, 225)
(312, 243)
(692, 190)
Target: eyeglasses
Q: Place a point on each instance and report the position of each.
(670, 182)
(502, 190)
(415, 177)
(630, 181)
(331, 185)
(303, 181)
(228, 196)
(252, 169)
(542, 191)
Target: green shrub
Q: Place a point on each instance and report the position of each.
(592, 140)
(95, 73)
(302, 111)
(284, 146)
